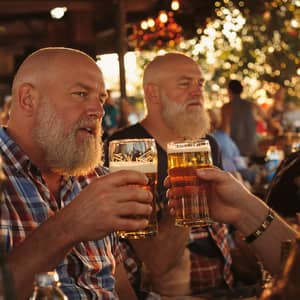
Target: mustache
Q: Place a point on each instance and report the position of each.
(193, 102)
(88, 122)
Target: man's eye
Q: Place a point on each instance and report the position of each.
(81, 94)
(185, 83)
(102, 100)
(201, 83)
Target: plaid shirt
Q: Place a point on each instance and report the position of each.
(209, 270)
(87, 270)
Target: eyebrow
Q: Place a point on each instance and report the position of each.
(82, 85)
(202, 80)
(88, 88)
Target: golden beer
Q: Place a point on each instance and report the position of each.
(190, 192)
(150, 170)
(137, 155)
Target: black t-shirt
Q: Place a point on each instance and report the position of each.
(207, 246)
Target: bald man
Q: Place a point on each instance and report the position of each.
(179, 259)
(60, 209)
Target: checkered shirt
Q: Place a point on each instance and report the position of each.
(87, 270)
(211, 272)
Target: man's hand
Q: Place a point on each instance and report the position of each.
(107, 205)
(226, 196)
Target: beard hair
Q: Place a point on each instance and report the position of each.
(63, 154)
(186, 124)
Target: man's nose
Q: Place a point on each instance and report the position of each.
(196, 90)
(96, 109)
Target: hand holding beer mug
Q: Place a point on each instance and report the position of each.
(138, 155)
(189, 192)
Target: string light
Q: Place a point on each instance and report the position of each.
(163, 17)
(144, 25)
(151, 22)
(175, 5)
(221, 42)
(161, 31)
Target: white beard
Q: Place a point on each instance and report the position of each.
(63, 153)
(186, 124)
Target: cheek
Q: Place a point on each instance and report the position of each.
(177, 96)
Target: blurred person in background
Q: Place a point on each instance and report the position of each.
(231, 157)
(4, 114)
(291, 117)
(111, 118)
(239, 120)
(276, 111)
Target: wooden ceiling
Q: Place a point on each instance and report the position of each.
(89, 25)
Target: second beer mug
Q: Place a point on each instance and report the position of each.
(190, 192)
(138, 155)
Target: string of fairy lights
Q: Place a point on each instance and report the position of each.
(262, 50)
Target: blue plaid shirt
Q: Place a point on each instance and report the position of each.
(87, 270)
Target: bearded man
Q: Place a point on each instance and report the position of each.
(180, 261)
(59, 208)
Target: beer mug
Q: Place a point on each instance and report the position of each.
(138, 155)
(190, 192)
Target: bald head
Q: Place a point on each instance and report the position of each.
(44, 64)
(173, 92)
(58, 88)
(164, 65)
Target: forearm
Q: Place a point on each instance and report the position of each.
(163, 251)
(268, 245)
(41, 251)
(123, 286)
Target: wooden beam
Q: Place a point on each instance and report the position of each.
(16, 7)
(122, 44)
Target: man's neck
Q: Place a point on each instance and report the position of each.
(159, 131)
(53, 182)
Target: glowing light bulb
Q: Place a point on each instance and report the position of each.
(151, 22)
(295, 23)
(58, 12)
(163, 17)
(144, 25)
(175, 5)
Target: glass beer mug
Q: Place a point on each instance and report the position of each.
(190, 192)
(138, 155)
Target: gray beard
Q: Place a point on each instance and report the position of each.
(63, 154)
(185, 124)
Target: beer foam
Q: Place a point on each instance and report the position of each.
(200, 148)
(144, 167)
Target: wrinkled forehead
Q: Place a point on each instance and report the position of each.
(172, 67)
(48, 66)
(188, 68)
(75, 69)
(76, 64)
(182, 71)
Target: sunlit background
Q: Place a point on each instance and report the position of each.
(262, 50)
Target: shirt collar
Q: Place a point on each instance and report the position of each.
(13, 152)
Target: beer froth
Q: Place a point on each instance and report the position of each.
(144, 167)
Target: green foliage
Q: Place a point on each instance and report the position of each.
(262, 49)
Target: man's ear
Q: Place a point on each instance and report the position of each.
(152, 92)
(27, 98)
